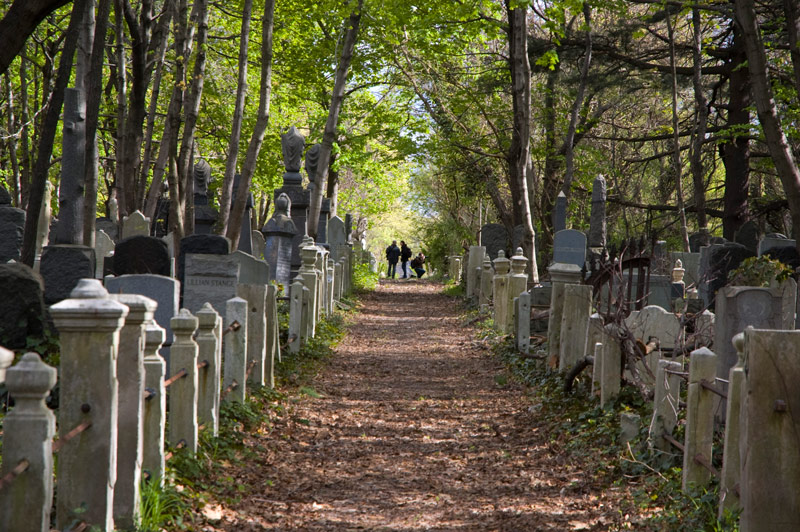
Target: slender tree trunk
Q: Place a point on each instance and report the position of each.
(122, 98)
(19, 22)
(236, 126)
(24, 116)
(699, 134)
(779, 148)
(262, 121)
(676, 148)
(332, 189)
(551, 165)
(11, 142)
(519, 151)
(329, 134)
(49, 126)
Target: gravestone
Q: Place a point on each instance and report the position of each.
(163, 290)
(69, 229)
(560, 213)
(258, 242)
(202, 245)
(699, 240)
(135, 225)
(251, 269)
(280, 232)
(348, 227)
(716, 261)
(597, 219)
(205, 216)
(474, 267)
(336, 236)
(292, 145)
(103, 248)
(748, 235)
(655, 322)
(494, 238)
(109, 227)
(22, 308)
(569, 247)
(209, 278)
(787, 255)
(774, 242)
(12, 226)
(62, 266)
(142, 254)
(245, 234)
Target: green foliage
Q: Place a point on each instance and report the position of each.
(161, 506)
(363, 279)
(759, 271)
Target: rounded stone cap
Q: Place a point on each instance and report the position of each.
(154, 337)
(183, 323)
(88, 309)
(30, 377)
(207, 316)
(140, 308)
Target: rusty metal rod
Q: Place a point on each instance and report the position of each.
(673, 441)
(232, 386)
(181, 374)
(250, 367)
(181, 445)
(711, 388)
(71, 434)
(683, 374)
(83, 525)
(283, 298)
(203, 364)
(234, 326)
(20, 468)
(291, 339)
(149, 394)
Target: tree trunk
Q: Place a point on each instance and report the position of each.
(779, 148)
(329, 134)
(519, 151)
(699, 134)
(19, 22)
(49, 126)
(236, 126)
(676, 144)
(262, 121)
(551, 164)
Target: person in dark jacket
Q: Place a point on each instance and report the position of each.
(392, 255)
(416, 265)
(405, 255)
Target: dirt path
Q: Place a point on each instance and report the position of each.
(413, 432)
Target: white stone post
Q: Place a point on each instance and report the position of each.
(295, 316)
(769, 446)
(28, 437)
(307, 325)
(665, 404)
(255, 295)
(130, 428)
(487, 276)
(88, 324)
(182, 392)
(731, 463)
(517, 283)
(474, 263)
(559, 274)
(610, 366)
(574, 324)
(331, 286)
(338, 281)
(594, 334)
(155, 404)
(502, 266)
(273, 336)
(208, 377)
(308, 276)
(699, 418)
(523, 321)
(234, 347)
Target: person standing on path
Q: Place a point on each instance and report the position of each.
(392, 255)
(417, 263)
(405, 255)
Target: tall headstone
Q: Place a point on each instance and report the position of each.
(494, 238)
(716, 261)
(336, 236)
(205, 216)
(69, 229)
(211, 278)
(12, 225)
(258, 242)
(142, 254)
(280, 232)
(62, 266)
(203, 245)
(103, 249)
(292, 145)
(137, 224)
(22, 307)
(569, 247)
(597, 220)
(560, 213)
(748, 235)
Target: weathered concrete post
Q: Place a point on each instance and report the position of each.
(502, 267)
(699, 418)
(331, 280)
(130, 428)
(610, 366)
(474, 262)
(308, 275)
(523, 322)
(183, 392)
(28, 437)
(256, 296)
(208, 377)
(574, 324)
(665, 404)
(88, 324)
(731, 463)
(517, 283)
(487, 276)
(235, 351)
(770, 449)
(339, 281)
(155, 404)
(295, 316)
(594, 334)
(560, 274)
(273, 336)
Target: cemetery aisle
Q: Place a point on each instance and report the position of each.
(415, 429)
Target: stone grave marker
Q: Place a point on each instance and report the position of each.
(205, 215)
(22, 308)
(135, 225)
(279, 233)
(257, 237)
(103, 249)
(336, 236)
(251, 270)
(560, 213)
(209, 278)
(772, 241)
(569, 247)
(597, 219)
(748, 235)
(716, 261)
(12, 226)
(62, 266)
(494, 238)
(142, 254)
(202, 245)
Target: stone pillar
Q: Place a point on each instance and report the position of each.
(88, 324)
(279, 232)
(474, 261)
(331, 285)
(574, 324)
(130, 427)
(665, 404)
(234, 348)
(295, 316)
(500, 289)
(208, 378)
(731, 463)
(560, 213)
(255, 295)
(610, 366)
(273, 336)
(308, 276)
(155, 405)
(769, 447)
(699, 418)
(338, 281)
(597, 219)
(523, 321)
(487, 276)
(517, 283)
(183, 392)
(594, 334)
(559, 274)
(28, 435)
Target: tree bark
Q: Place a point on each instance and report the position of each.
(779, 148)
(262, 121)
(701, 123)
(329, 134)
(19, 22)
(519, 151)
